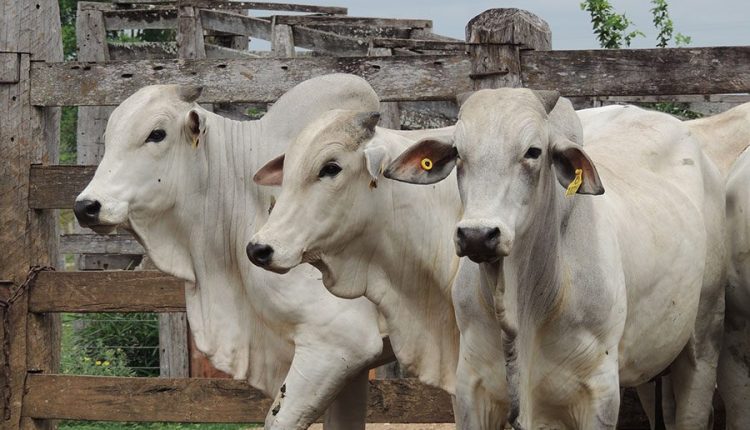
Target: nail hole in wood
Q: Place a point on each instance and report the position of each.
(127, 75)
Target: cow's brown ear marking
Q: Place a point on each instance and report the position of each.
(189, 93)
(271, 173)
(428, 161)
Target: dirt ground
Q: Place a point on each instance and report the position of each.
(401, 427)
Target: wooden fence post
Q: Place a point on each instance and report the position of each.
(282, 40)
(502, 33)
(28, 135)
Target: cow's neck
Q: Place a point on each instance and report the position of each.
(220, 214)
(408, 272)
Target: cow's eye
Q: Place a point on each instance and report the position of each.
(156, 135)
(330, 169)
(532, 153)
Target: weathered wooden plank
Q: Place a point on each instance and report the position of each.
(363, 32)
(173, 345)
(206, 400)
(221, 52)
(234, 23)
(107, 291)
(142, 51)
(282, 39)
(56, 187)
(99, 244)
(214, 4)
(352, 21)
(9, 68)
(639, 71)
(425, 44)
(125, 19)
(190, 44)
(433, 77)
(328, 42)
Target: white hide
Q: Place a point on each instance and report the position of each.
(363, 233)
(193, 209)
(724, 137)
(596, 291)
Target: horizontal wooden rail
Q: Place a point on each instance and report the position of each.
(429, 77)
(352, 21)
(214, 4)
(99, 244)
(56, 187)
(233, 23)
(424, 44)
(206, 400)
(623, 72)
(105, 291)
(140, 19)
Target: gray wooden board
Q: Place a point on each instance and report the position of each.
(254, 80)
(234, 23)
(214, 4)
(142, 51)
(140, 19)
(206, 400)
(9, 67)
(107, 291)
(352, 21)
(329, 42)
(639, 71)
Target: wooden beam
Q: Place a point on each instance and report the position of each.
(56, 187)
(9, 68)
(639, 71)
(107, 291)
(99, 244)
(233, 23)
(206, 400)
(328, 42)
(352, 21)
(363, 33)
(424, 44)
(429, 77)
(142, 51)
(214, 4)
(125, 19)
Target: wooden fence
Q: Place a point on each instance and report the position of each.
(504, 47)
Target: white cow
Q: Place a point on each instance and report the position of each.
(593, 292)
(176, 176)
(334, 213)
(338, 213)
(725, 136)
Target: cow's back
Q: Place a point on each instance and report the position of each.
(663, 197)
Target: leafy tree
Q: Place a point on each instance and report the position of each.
(611, 28)
(665, 26)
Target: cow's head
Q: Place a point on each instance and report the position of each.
(147, 140)
(510, 158)
(326, 173)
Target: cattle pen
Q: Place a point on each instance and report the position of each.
(403, 61)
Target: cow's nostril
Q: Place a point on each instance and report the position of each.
(460, 233)
(493, 234)
(87, 212)
(259, 254)
(93, 209)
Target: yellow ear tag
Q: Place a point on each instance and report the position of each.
(195, 142)
(575, 183)
(426, 164)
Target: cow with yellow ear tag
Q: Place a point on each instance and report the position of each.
(606, 260)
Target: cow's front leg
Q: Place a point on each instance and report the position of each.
(475, 407)
(326, 360)
(599, 409)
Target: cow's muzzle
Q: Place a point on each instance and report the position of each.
(87, 212)
(260, 254)
(480, 244)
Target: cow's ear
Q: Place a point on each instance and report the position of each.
(376, 158)
(574, 169)
(428, 161)
(195, 126)
(272, 173)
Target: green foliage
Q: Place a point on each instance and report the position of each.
(129, 342)
(664, 24)
(680, 110)
(612, 29)
(68, 124)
